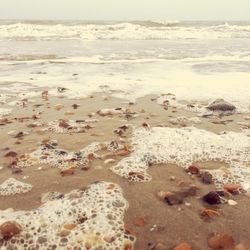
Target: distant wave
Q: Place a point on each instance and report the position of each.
(141, 30)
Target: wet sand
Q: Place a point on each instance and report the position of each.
(174, 224)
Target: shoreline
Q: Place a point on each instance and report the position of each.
(145, 208)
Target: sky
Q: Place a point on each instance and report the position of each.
(126, 9)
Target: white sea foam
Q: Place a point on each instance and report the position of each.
(5, 111)
(12, 186)
(122, 31)
(184, 147)
(90, 218)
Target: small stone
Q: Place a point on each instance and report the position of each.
(109, 238)
(75, 106)
(10, 229)
(140, 222)
(158, 246)
(69, 226)
(193, 170)
(66, 172)
(221, 105)
(17, 171)
(183, 246)
(174, 199)
(232, 202)
(64, 233)
(11, 154)
(163, 194)
(172, 178)
(207, 213)
(206, 178)
(240, 247)
(231, 188)
(69, 112)
(212, 198)
(59, 107)
(221, 241)
(108, 161)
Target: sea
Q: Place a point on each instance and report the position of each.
(196, 60)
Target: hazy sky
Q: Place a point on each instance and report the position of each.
(126, 9)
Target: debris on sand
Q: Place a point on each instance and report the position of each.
(49, 154)
(9, 229)
(221, 241)
(127, 113)
(108, 112)
(212, 198)
(221, 105)
(183, 246)
(232, 188)
(209, 213)
(183, 146)
(206, 177)
(91, 218)
(63, 126)
(50, 196)
(177, 197)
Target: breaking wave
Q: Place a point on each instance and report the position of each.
(141, 30)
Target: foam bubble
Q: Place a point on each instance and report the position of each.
(185, 146)
(12, 186)
(69, 126)
(5, 111)
(90, 218)
(56, 157)
(64, 159)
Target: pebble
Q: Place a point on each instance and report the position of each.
(193, 169)
(221, 105)
(232, 202)
(108, 161)
(17, 171)
(207, 213)
(66, 172)
(231, 188)
(172, 178)
(240, 247)
(183, 246)
(10, 229)
(64, 232)
(159, 246)
(212, 198)
(221, 241)
(109, 238)
(206, 178)
(58, 107)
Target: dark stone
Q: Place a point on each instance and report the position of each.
(212, 198)
(221, 105)
(206, 178)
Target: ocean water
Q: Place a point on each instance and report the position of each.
(197, 61)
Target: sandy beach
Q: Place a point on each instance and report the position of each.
(124, 135)
(149, 218)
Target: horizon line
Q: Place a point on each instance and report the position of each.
(128, 20)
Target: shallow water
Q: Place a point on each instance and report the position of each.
(194, 60)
